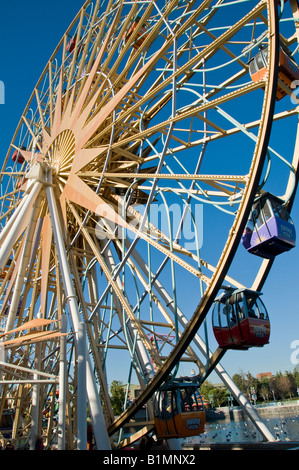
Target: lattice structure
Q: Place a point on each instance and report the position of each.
(125, 192)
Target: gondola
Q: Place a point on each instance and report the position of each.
(270, 230)
(179, 410)
(240, 320)
(288, 70)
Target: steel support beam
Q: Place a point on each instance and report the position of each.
(99, 427)
(62, 386)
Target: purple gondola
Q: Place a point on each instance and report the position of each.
(270, 230)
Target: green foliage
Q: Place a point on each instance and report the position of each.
(279, 387)
(206, 389)
(216, 396)
(117, 396)
(219, 397)
(282, 386)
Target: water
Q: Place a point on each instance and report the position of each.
(283, 428)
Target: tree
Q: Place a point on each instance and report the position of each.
(281, 385)
(241, 381)
(296, 375)
(246, 383)
(264, 391)
(278, 387)
(219, 397)
(206, 389)
(293, 385)
(216, 396)
(117, 396)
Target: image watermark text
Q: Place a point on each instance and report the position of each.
(295, 354)
(173, 222)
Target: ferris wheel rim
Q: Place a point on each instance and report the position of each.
(270, 91)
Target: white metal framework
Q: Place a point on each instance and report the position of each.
(125, 191)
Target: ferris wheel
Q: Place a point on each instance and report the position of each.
(150, 136)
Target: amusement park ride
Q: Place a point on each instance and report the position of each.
(144, 108)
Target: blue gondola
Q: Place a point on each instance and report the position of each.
(270, 229)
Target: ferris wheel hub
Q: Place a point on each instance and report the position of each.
(61, 154)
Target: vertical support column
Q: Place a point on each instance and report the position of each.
(35, 397)
(98, 422)
(25, 259)
(19, 225)
(62, 386)
(81, 388)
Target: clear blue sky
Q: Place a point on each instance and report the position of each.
(29, 32)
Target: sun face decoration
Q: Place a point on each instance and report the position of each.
(77, 144)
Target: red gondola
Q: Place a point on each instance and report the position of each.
(141, 35)
(5, 270)
(18, 157)
(179, 410)
(288, 70)
(72, 44)
(240, 320)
